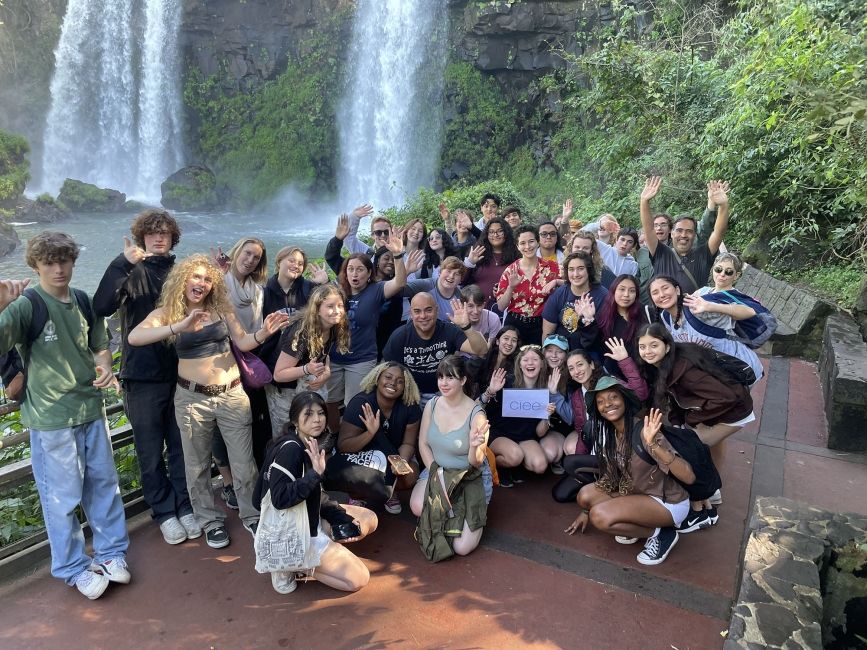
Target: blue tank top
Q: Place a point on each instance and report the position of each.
(450, 448)
(209, 341)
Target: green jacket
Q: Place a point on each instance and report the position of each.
(437, 526)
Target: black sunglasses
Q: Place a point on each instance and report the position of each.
(728, 272)
(381, 233)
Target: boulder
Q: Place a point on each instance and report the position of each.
(190, 188)
(9, 240)
(43, 210)
(843, 370)
(79, 196)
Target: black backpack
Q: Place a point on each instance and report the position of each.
(736, 369)
(39, 318)
(689, 447)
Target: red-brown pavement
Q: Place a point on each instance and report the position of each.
(528, 586)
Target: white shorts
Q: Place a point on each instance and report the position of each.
(742, 423)
(678, 511)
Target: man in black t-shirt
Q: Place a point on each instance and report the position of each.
(689, 266)
(421, 344)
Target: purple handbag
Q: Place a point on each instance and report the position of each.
(254, 372)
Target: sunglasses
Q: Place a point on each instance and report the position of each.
(557, 337)
(727, 272)
(381, 233)
(530, 347)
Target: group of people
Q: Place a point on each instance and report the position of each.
(391, 378)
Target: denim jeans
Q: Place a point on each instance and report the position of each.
(151, 411)
(75, 466)
(198, 416)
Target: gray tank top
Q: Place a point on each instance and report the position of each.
(450, 448)
(209, 341)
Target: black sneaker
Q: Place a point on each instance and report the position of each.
(657, 548)
(217, 537)
(251, 527)
(505, 476)
(519, 474)
(712, 515)
(228, 495)
(695, 520)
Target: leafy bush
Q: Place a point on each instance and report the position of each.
(14, 167)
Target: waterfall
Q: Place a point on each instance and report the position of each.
(115, 115)
(390, 117)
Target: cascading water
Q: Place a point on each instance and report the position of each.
(115, 116)
(390, 118)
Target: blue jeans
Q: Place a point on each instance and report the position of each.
(150, 407)
(75, 466)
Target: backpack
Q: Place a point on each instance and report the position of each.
(688, 446)
(37, 324)
(736, 369)
(753, 331)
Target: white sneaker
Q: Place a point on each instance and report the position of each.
(173, 532)
(90, 584)
(283, 582)
(191, 525)
(620, 539)
(716, 498)
(115, 570)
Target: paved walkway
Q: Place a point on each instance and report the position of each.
(528, 586)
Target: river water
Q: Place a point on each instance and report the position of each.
(101, 238)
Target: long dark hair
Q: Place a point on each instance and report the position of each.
(301, 402)
(598, 368)
(676, 285)
(510, 249)
(613, 452)
(490, 363)
(341, 277)
(432, 259)
(609, 312)
(657, 376)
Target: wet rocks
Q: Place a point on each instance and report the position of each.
(79, 196)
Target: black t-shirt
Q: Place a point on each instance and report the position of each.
(391, 430)
(298, 349)
(423, 356)
(698, 261)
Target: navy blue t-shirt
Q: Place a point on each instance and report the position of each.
(362, 310)
(391, 430)
(560, 309)
(423, 356)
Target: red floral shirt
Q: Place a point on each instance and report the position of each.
(528, 298)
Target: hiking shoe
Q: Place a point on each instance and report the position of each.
(251, 527)
(716, 498)
(191, 525)
(217, 537)
(657, 548)
(228, 495)
(393, 507)
(115, 570)
(173, 532)
(557, 468)
(283, 582)
(620, 539)
(712, 515)
(90, 584)
(695, 520)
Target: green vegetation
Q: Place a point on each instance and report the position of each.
(280, 133)
(196, 190)
(85, 197)
(14, 170)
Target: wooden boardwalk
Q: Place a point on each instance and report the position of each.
(528, 586)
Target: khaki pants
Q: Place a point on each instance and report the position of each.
(198, 415)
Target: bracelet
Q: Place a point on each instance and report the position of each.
(171, 330)
(304, 370)
(399, 256)
(255, 338)
(465, 329)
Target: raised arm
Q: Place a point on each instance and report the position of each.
(156, 327)
(398, 282)
(475, 343)
(352, 243)
(272, 324)
(651, 188)
(717, 192)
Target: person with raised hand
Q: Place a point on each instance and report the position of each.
(131, 287)
(495, 250)
(571, 309)
(364, 301)
(68, 363)
(195, 313)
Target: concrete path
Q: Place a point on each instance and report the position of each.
(528, 586)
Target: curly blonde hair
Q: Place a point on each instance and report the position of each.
(311, 327)
(411, 394)
(173, 299)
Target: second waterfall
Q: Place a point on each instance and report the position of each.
(390, 117)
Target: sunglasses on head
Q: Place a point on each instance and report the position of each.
(530, 347)
(728, 272)
(381, 233)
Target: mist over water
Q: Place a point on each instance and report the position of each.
(390, 117)
(115, 116)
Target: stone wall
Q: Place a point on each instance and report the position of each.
(843, 371)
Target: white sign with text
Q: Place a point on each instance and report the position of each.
(525, 403)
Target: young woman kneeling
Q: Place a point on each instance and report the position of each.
(632, 498)
(292, 472)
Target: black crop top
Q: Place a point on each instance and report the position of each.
(209, 341)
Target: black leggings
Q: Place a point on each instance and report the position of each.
(579, 472)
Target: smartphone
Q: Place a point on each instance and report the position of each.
(399, 466)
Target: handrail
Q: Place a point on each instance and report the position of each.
(24, 435)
